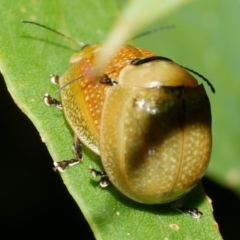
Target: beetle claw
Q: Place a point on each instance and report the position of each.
(104, 180)
(104, 79)
(61, 166)
(193, 212)
(96, 173)
(50, 101)
(54, 79)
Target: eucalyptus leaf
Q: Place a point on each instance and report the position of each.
(28, 55)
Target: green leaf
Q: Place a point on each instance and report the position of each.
(28, 55)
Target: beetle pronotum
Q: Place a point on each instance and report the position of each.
(146, 117)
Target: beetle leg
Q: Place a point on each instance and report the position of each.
(50, 101)
(61, 166)
(104, 79)
(179, 205)
(104, 180)
(77, 148)
(54, 78)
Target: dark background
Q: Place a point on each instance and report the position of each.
(33, 195)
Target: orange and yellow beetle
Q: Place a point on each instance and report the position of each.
(145, 116)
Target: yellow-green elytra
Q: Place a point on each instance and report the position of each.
(145, 116)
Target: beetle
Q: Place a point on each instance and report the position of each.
(145, 116)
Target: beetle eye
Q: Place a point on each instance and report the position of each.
(140, 61)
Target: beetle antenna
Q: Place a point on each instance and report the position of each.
(152, 31)
(71, 81)
(53, 30)
(202, 77)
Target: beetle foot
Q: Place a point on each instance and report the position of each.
(54, 79)
(104, 180)
(104, 79)
(61, 166)
(50, 101)
(193, 212)
(77, 148)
